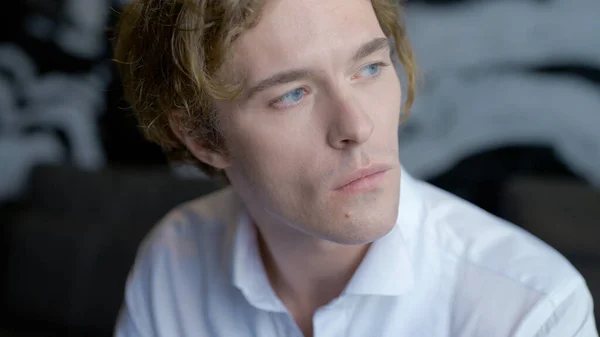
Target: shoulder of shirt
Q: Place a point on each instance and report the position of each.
(205, 217)
(469, 235)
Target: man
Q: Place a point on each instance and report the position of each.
(321, 232)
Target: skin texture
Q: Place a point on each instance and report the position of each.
(290, 143)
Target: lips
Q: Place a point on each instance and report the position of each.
(359, 174)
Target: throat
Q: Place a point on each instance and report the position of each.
(307, 277)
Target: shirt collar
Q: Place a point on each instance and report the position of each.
(386, 269)
(249, 274)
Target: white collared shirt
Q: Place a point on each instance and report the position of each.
(446, 269)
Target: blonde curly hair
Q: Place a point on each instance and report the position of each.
(170, 55)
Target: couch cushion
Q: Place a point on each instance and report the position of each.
(563, 212)
(72, 243)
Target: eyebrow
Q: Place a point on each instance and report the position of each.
(373, 46)
(284, 77)
(279, 78)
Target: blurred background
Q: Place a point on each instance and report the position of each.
(507, 117)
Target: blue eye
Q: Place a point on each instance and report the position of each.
(290, 99)
(371, 70)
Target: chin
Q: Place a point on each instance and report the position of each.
(364, 222)
(362, 231)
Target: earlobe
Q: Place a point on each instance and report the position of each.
(211, 157)
(197, 147)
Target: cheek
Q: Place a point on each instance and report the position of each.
(266, 169)
(270, 154)
(390, 93)
(383, 102)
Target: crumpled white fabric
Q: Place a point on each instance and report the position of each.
(474, 98)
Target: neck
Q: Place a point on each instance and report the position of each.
(307, 273)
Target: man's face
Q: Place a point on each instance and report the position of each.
(293, 140)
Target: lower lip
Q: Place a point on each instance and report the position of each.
(363, 184)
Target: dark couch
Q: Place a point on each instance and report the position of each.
(69, 244)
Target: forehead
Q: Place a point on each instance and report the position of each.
(305, 33)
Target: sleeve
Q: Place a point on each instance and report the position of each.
(568, 312)
(135, 315)
(127, 325)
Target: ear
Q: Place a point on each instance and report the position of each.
(197, 147)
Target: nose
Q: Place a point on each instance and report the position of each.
(351, 125)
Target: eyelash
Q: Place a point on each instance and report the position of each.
(381, 66)
(274, 102)
(278, 100)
